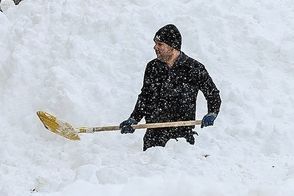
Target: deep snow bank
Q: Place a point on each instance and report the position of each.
(84, 61)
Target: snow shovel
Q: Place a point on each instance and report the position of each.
(66, 130)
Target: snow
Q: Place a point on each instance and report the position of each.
(83, 61)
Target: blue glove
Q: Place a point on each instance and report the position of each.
(125, 126)
(208, 119)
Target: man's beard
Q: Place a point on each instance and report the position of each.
(163, 58)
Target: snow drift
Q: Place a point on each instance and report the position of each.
(83, 61)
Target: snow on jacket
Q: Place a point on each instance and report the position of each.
(169, 94)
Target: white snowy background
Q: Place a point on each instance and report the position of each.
(83, 61)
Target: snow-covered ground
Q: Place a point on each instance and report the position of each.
(83, 61)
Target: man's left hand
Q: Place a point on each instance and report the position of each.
(208, 119)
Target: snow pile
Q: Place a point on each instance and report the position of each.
(83, 61)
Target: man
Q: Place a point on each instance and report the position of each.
(169, 92)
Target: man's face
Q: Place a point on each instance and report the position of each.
(163, 51)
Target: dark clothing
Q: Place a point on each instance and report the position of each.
(170, 35)
(16, 2)
(169, 94)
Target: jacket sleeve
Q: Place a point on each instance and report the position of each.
(209, 89)
(143, 98)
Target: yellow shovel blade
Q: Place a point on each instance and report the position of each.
(56, 126)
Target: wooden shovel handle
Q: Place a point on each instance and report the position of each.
(141, 126)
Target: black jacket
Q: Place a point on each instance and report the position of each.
(169, 94)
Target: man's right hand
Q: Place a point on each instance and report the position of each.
(126, 126)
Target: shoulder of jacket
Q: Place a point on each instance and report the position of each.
(193, 64)
(153, 64)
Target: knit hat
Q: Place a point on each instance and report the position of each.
(170, 35)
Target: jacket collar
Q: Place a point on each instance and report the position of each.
(180, 60)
